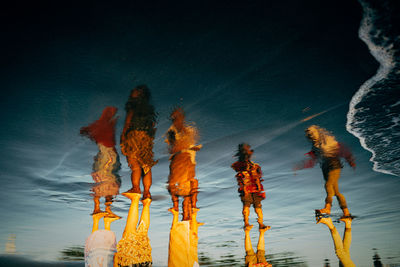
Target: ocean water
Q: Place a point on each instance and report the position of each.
(259, 74)
(374, 110)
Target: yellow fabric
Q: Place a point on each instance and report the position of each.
(134, 248)
(182, 245)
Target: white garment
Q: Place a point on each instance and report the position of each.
(100, 248)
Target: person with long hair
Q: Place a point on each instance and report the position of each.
(137, 138)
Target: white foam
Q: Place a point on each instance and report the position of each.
(385, 56)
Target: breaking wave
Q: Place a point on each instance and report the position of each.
(374, 111)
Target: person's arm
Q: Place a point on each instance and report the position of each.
(345, 153)
(308, 163)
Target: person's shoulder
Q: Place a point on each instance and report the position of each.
(238, 165)
(256, 165)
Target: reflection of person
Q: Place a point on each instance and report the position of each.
(100, 246)
(137, 138)
(249, 180)
(134, 248)
(255, 259)
(106, 162)
(327, 151)
(342, 247)
(182, 139)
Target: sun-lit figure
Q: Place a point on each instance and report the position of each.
(106, 163)
(181, 139)
(100, 246)
(137, 138)
(327, 151)
(249, 181)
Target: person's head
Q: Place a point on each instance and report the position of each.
(313, 133)
(141, 91)
(178, 118)
(244, 152)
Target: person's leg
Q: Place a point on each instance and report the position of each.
(246, 213)
(145, 217)
(194, 183)
(186, 206)
(261, 246)
(335, 175)
(194, 224)
(175, 202)
(258, 209)
(247, 241)
(330, 192)
(108, 220)
(147, 181)
(96, 208)
(108, 207)
(347, 234)
(136, 174)
(96, 218)
(338, 243)
(337, 240)
(133, 214)
(175, 215)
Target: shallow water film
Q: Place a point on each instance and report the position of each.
(200, 134)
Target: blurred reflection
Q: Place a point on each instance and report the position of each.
(134, 248)
(100, 246)
(181, 140)
(342, 247)
(249, 180)
(255, 259)
(73, 253)
(377, 259)
(327, 151)
(10, 247)
(137, 138)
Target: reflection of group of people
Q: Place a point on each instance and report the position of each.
(325, 150)
(136, 143)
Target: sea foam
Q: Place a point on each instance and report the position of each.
(374, 109)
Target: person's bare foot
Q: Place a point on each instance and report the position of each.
(324, 211)
(146, 201)
(111, 217)
(134, 190)
(99, 215)
(327, 221)
(146, 195)
(247, 227)
(131, 195)
(95, 211)
(347, 221)
(264, 228)
(173, 211)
